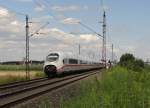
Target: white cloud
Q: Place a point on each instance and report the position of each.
(67, 37)
(4, 12)
(71, 21)
(14, 23)
(66, 8)
(88, 37)
(9, 20)
(11, 33)
(11, 42)
(57, 34)
(61, 35)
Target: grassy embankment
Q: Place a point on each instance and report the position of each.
(119, 88)
(12, 73)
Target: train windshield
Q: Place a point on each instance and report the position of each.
(52, 57)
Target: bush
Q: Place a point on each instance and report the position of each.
(126, 59)
(138, 65)
(130, 62)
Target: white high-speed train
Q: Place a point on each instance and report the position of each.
(59, 62)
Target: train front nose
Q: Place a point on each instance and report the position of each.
(50, 70)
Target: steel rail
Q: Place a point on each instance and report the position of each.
(18, 83)
(22, 88)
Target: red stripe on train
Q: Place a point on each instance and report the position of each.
(74, 65)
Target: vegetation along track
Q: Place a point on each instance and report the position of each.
(15, 97)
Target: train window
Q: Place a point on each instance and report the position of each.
(52, 57)
(83, 62)
(73, 61)
(65, 61)
(53, 54)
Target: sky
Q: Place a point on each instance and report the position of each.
(127, 27)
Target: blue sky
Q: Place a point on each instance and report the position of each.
(127, 26)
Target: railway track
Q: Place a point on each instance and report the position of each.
(20, 83)
(36, 88)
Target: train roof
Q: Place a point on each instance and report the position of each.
(73, 56)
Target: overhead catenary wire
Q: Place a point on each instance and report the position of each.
(46, 9)
(55, 18)
(80, 23)
(37, 31)
(87, 27)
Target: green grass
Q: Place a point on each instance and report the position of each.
(119, 88)
(14, 78)
(20, 67)
(35, 70)
(40, 74)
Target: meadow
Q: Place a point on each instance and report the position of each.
(13, 73)
(20, 67)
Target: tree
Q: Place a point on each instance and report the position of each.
(130, 62)
(127, 60)
(138, 65)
